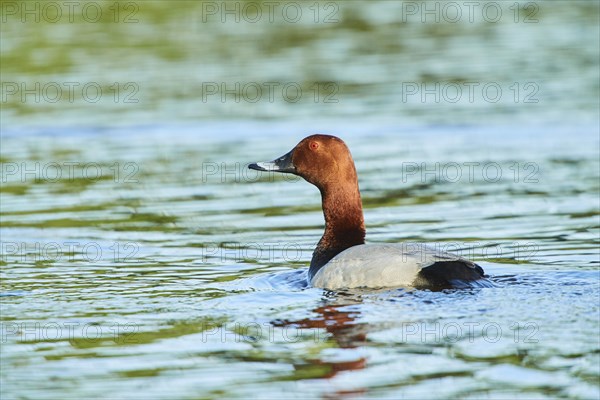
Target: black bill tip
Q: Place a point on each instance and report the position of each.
(256, 167)
(281, 164)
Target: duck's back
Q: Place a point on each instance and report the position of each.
(398, 265)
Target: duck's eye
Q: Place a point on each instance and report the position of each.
(313, 145)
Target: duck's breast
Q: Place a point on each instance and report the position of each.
(384, 265)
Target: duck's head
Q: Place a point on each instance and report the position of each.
(320, 159)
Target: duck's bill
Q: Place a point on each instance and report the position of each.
(282, 164)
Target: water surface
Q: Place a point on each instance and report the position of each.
(140, 258)
(180, 272)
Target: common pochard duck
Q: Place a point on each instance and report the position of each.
(342, 259)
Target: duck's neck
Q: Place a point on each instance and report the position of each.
(344, 224)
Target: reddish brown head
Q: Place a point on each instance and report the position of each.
(322, 160)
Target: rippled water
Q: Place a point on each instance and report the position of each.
(182, 273)
(140, 258)
(180, 61)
